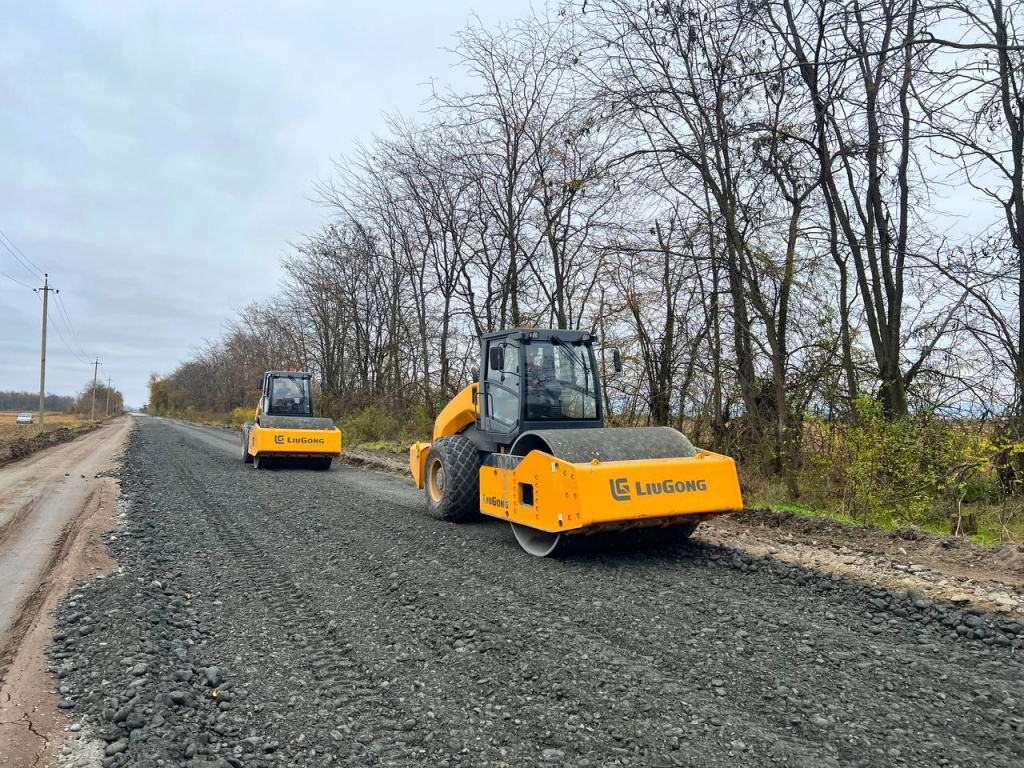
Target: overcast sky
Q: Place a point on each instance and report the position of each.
(157, 157)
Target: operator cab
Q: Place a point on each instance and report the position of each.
(287, 393)
(538, 379)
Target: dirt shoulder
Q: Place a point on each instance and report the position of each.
(949, 568)
(15, 446)
(378, 461)
(33, 723)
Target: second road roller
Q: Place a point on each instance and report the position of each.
(527, 443)
(285, 430)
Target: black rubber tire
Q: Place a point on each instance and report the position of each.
(452, 481)
(321, 463)
(246, 456)
(260, 462)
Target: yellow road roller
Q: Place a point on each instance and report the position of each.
(527, 443)
(284, 430)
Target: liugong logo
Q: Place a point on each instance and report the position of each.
(281, 440)
(620, 489)
(622, 492)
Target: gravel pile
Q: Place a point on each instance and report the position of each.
(298, 618)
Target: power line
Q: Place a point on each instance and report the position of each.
(15, 280)
(63, 310)
(67, 346)
(24, 260)
(63, 317)
(56, 327)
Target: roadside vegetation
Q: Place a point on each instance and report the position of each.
(802, 225)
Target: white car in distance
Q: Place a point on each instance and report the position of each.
(24, 418)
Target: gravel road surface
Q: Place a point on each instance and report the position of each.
(291, 617)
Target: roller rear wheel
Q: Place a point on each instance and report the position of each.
(246, 456)
(452, 482)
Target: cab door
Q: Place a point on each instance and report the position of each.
(501, 387)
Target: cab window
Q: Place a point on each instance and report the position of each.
(290, 396)
(503, 388)
(560, 382)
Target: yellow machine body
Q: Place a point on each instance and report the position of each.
(461, 411)
(418, 462)
(298, 443)
(543, 492)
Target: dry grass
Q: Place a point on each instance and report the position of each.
(19, 440)
(8, 417)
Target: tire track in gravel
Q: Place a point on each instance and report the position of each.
(450, 688)
(262, 577)
(346, 616)
(589, 642)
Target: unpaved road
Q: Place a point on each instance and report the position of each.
(53, 509)
(292, 617)
(38, 498)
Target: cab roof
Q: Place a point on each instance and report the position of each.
(289, 374)
(542, 334)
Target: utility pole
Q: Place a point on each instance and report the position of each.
(42, 353)
(95, 369)
(107, 407)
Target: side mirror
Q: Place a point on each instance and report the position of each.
(616, 360)
(497, 358)
(475, 373)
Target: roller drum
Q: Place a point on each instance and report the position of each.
(294, 422)
(581, 446)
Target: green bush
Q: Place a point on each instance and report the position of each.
(419, 424)
(374, 425)
(239, 416)
(910, 470)
(981, 491)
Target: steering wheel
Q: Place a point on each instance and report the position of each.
(545, 395)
